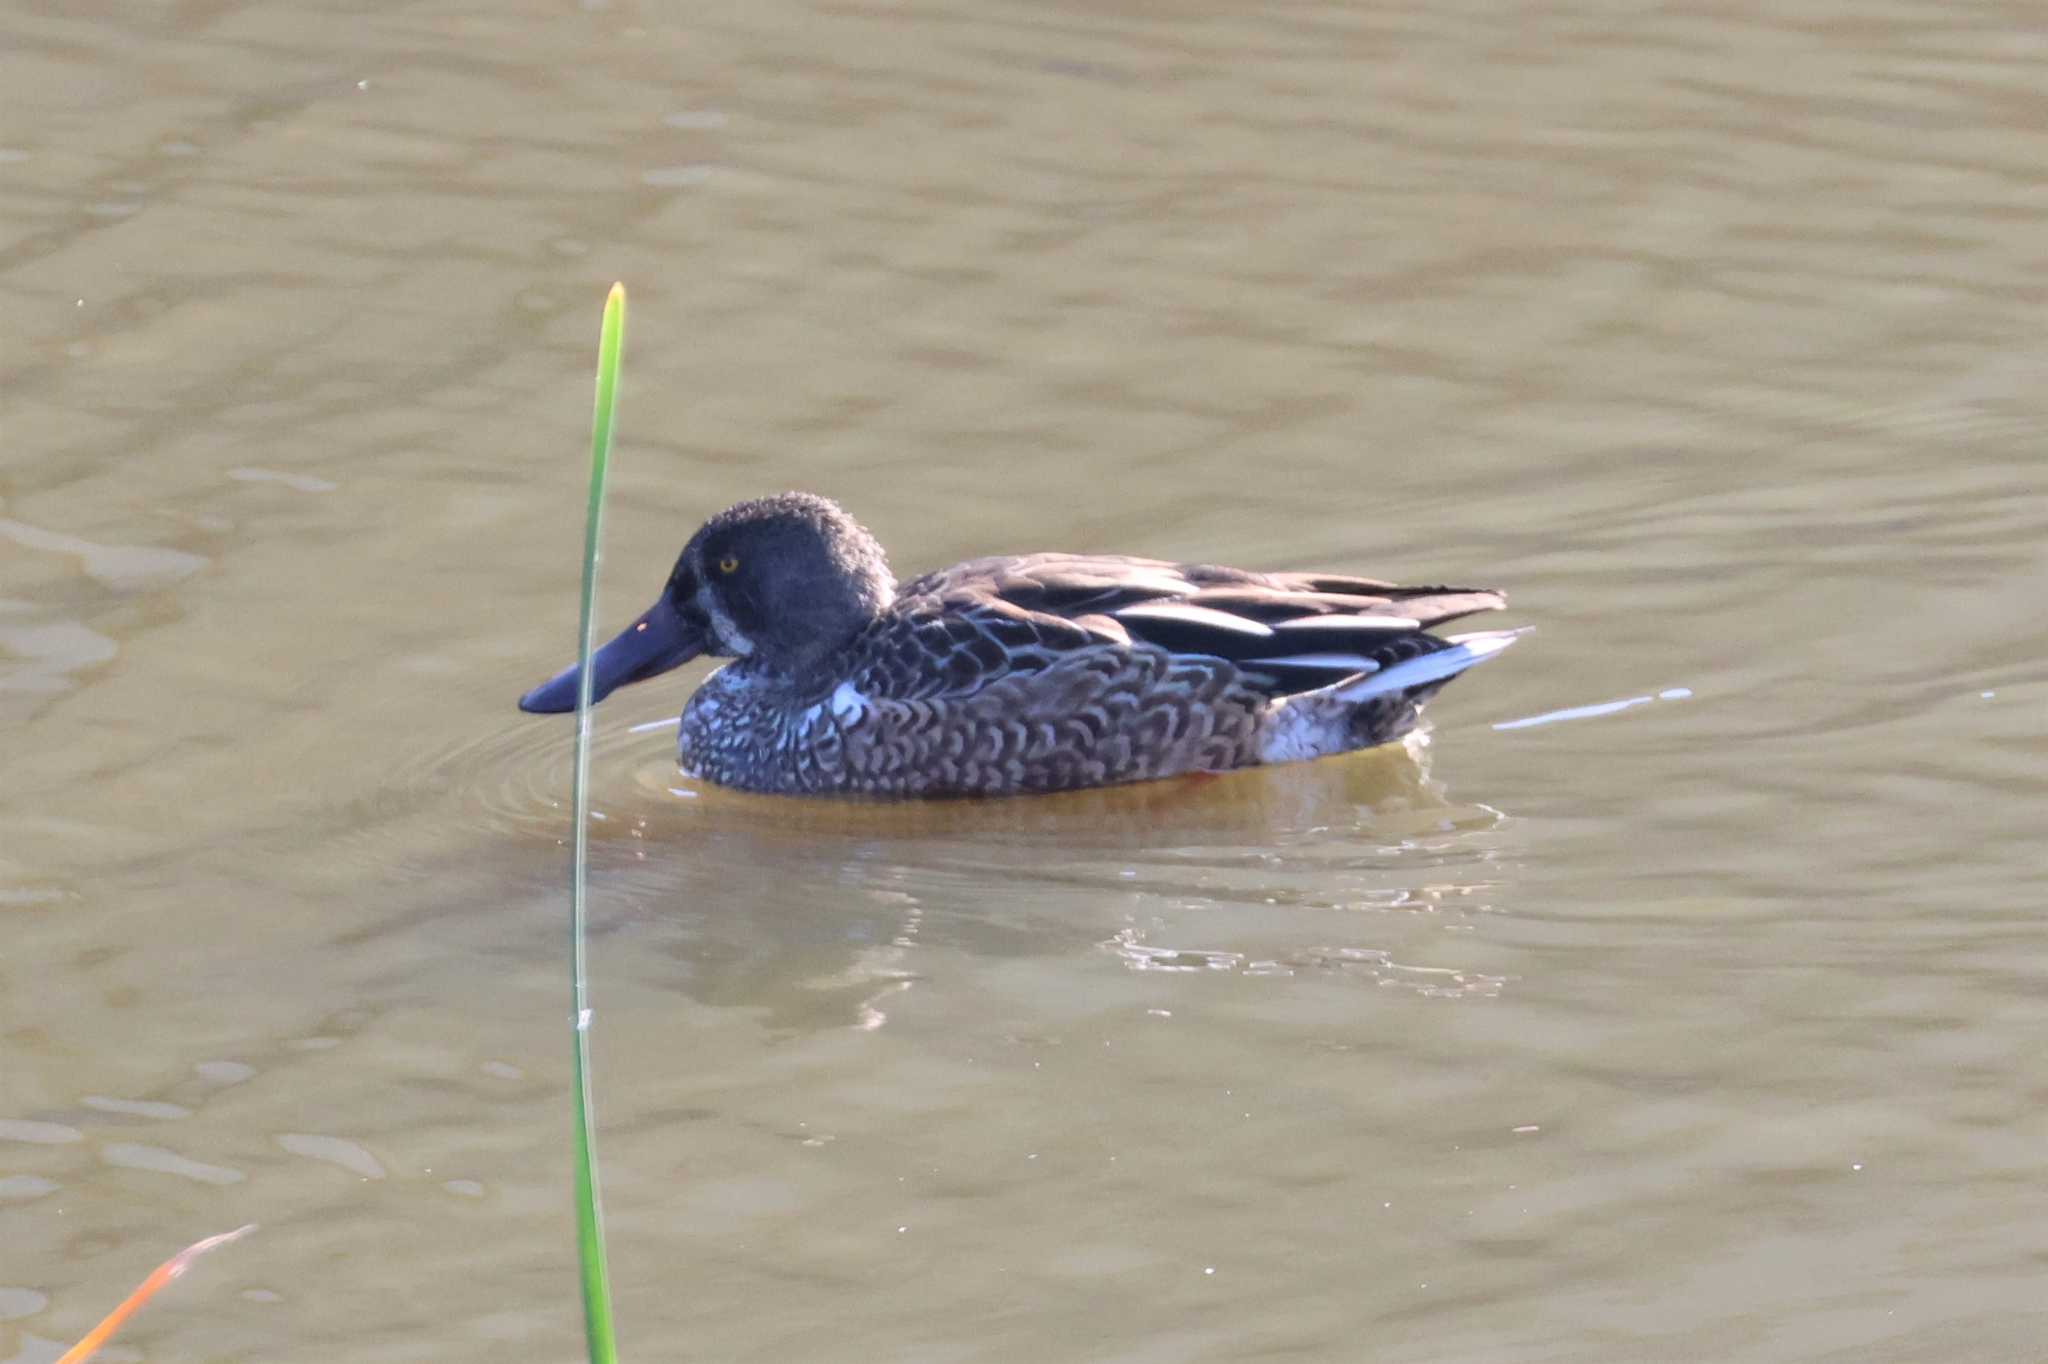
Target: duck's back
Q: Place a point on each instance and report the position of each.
(1289, 632)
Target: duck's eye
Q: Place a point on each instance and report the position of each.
(729, 564)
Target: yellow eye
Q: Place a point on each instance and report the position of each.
(729, 564)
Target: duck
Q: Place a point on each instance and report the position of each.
(1016, 674)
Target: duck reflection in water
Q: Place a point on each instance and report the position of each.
(823, 912)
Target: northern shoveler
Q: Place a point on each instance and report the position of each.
(1021, 673)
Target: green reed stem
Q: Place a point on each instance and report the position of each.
(597, 1284)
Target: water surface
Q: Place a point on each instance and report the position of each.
(1700, 1028)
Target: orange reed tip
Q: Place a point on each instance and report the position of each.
(158, 1277)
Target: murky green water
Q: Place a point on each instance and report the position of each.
(1704, 1028)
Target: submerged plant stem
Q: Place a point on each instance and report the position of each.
(597, 1289)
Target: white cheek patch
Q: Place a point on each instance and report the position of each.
(721, 625)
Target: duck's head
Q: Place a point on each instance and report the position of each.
(781, 580)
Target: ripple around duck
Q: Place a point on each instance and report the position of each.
(809, 881)
(510, 780)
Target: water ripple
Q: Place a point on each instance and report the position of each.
(136, 1156)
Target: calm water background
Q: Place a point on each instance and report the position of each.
(1706, 1029)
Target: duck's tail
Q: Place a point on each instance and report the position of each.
(1431, 670)
(1370, 707)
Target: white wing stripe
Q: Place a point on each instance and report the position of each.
(1194, 615)
(1306, 624)
(1346, 663)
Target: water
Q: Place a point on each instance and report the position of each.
(1700, 1028)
